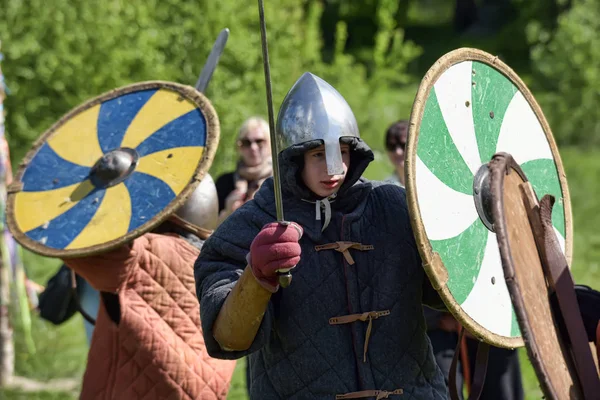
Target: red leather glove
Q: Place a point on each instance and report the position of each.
(274, 249)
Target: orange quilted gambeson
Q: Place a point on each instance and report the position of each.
(157, 350)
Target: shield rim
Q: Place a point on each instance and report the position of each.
(212, 142)
(432, 263)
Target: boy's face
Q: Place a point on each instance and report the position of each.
(315, 174)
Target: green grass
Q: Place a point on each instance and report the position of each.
(17, 395)
(237, 390)
(61, 351)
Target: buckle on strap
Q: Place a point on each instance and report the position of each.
(343, 248)
(378, 394)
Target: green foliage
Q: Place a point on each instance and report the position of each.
(567, 68)
(60, 53)
(540, 17)
(391, 52)
(582, 169)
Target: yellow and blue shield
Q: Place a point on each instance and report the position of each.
(112, 169)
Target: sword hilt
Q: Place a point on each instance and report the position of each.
(285, 278)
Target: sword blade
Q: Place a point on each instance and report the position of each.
(212, 61)
(274, 150)
(285, 278)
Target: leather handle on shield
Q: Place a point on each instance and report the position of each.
(561, 282)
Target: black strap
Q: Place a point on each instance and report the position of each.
(453, 368)
(481, 362)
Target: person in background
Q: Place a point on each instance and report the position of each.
(62, 298)
(503, 379)
(89, 299)
(253, 167)
(396, 138)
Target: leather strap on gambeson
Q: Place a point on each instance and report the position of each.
(343, 248)
(367, 316)
(378, 394)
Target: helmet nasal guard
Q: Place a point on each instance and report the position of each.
(314, 110)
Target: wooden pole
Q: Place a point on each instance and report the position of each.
(7, 351)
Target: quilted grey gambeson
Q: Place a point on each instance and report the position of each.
(297, 353)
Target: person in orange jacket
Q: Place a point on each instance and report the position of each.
(148, 343)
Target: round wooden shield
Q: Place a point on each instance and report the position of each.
(527, 284)
(112, 169)
(469, 106)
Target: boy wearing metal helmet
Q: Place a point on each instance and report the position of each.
(147, 343)
(350, 325)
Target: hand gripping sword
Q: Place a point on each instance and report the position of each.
(285, 278)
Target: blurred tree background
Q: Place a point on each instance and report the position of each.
(59, 53)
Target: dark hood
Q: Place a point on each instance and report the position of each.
(298, 200)
(291, 162)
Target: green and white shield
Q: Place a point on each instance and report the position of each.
(470, 106)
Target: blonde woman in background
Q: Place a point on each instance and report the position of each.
(253, 167)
